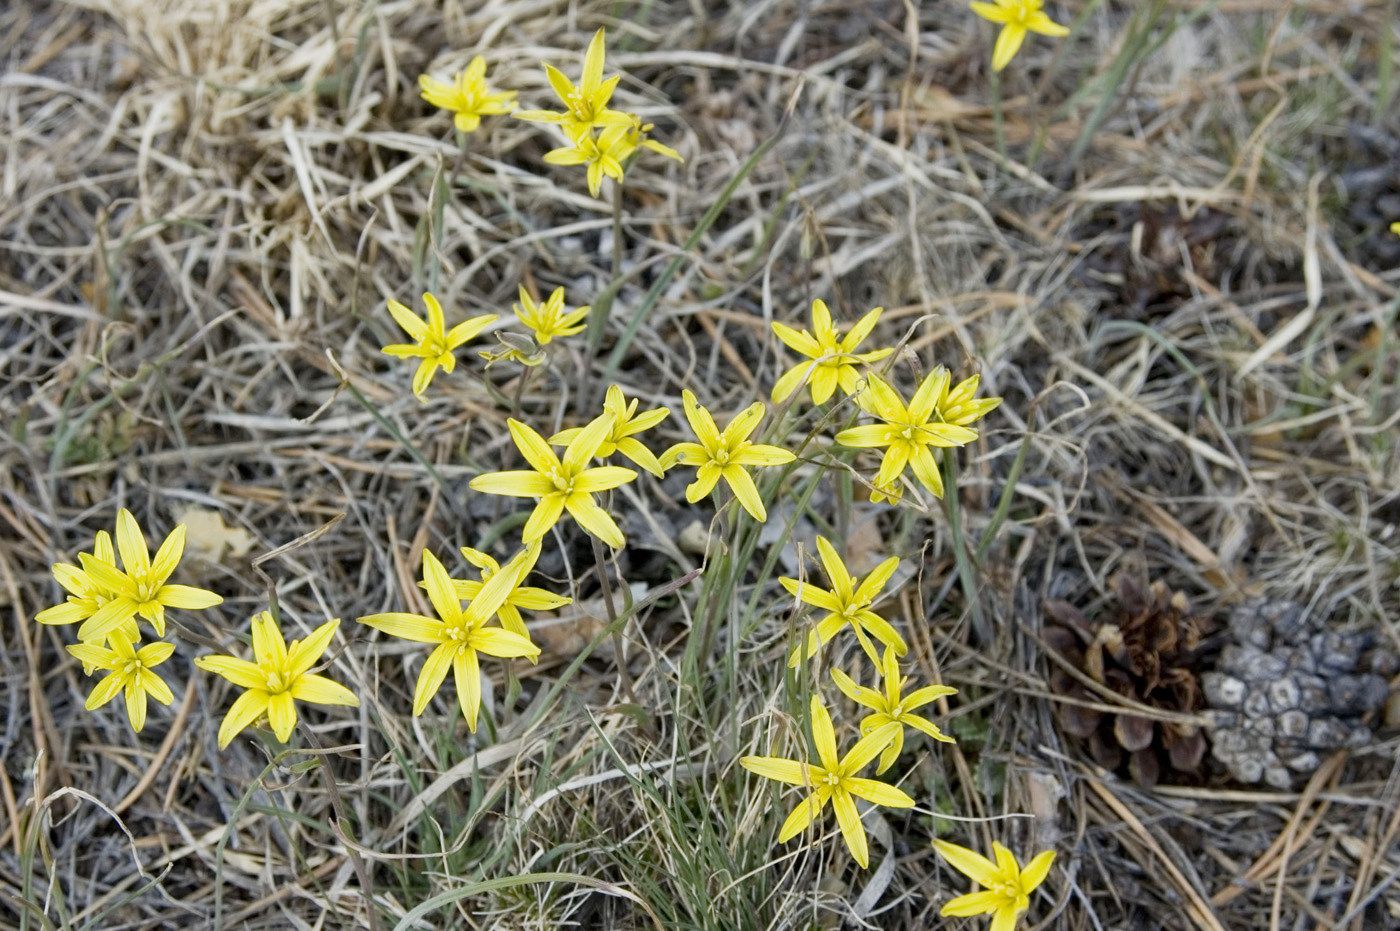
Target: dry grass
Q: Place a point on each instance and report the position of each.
(204, 205)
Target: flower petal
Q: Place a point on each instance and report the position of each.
(308, 652)
(881, 793)
(136, 558)
(533, 447)
(803, 814)
(585, 446)
(602, 478)
(494, 641)
(414, 627)
(873, 583)
(135, 697)
(823, 735)
(974, 903)
(775, 767)
(595, 520)
(282, 715)
(926, 470)
(408, 321)
(244, 711)
(466, 671)
(322, 691)
(268, 645)
(743, 424)
(430, 678)
(635, 451)
(168, 556)
(104, 691)
(187, 597)
(745, 491)
(518, 483)
(851, 828)
(762, 455)
(1036, 871)
(545, 515)
(867, 437)
(972, 865)
(867, 748)
(238, 671)
(1008, 43)
(701, 422)
(441, 592)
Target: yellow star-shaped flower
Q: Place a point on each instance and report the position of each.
(1007, 886)
(517, 597)
(606, 153)
(85, 595)
(1016, 18)
(848, 602)
(626, 424)
(432, 341)
(547, 319)
(459, 635)
(467, 96)
(891, 708)
(834, 781)
(143, 587)
(959, 405)
(907, 432)
(129, 673)
(586, 105)
(1395, 228)
(566, 484)
(834, 360)
(724, 455)
(279, 676)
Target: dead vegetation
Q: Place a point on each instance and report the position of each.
(205, 204)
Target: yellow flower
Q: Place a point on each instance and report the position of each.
(129, 673)
(467, 96)
(908, 432)
(891, 708)
(561, 485)
(531, 599)
(586, 105)
(634, 137)
(626, 424)
(86, 595)
(432, 341)
(834, 781)
(724, 455)
(1008, 886)
(142, 588)
(459, 635)
(1016, 18)
(833, 359)
(548, 320)
(1395, 228)
(278, 677)
(603, 155)
(607, 152)
(849, 602)
(958, 405)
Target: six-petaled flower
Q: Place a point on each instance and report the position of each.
(561, 484)
(277, 678)
(547, 319)
(518, 596)
(891, 707)
(458, 634)
(467, 96)
(585, 105)
(832, 360)
(1007, 886)
(834, 781)
(1016, 18)
(907, 433)
(848, 601)
(724, 454)
(622, 438)
(129, 673)
(432, 342)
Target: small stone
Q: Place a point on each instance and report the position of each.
(1223, 691)
(1304, 762)
(1288, 619)
(1279, 777)
(1292, 724)
(1384, 663)
(1250, 626)
(1336, 652)
(1312, 693)
(1255, 665)
(1359, 736)
(1302, 661)
(1283, 695)
(1261, 727)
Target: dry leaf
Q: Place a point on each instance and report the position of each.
(208, 536)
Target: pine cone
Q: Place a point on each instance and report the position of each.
(1288, 691)
(1145, 650)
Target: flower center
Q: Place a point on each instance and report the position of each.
(276, 681)
(721, 456)
(832, 780)
(1021, 13)
(130, 669)
(563, 482)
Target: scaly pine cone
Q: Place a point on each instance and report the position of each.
(1143, 649)
(1288, 691)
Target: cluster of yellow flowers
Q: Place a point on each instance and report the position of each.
(483, 616)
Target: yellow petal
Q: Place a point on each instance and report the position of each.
(268, 645)
(155, 686)
(441, 592)
(282, 715)
(517, 483)
(763, 455)
(700, 421)
(823, 735)
(602, 478)
(408, 626)
(430, 679)
(1036, 871)
(168, 556)
(773, 767)
(533, 447)
(503, 643)
(1008, 43)
(593, 66)
(596, 520)
(408, 321)
(989, 11)
(244, 711)
(867, 748)
(803, 814)
(136, 558)
(322, 691)
(187, 597)
(105, 691)
(873, 790)
(851, 828)
(972, 865)
(135, 697)
(974, 903)
(1039, 22)
(545, 515)
(745, 490)
(466, 670)
(238, 671)
(308, 652)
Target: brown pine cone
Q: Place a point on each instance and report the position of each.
(1143, 648)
